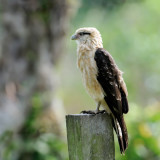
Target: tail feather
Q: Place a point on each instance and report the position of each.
(124, 131)
(121, 131)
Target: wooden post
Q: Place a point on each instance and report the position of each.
(90, 137)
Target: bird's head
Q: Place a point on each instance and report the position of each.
(89, 37)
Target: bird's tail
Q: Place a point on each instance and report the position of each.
(121, 131)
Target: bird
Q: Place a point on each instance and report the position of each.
(103, 80)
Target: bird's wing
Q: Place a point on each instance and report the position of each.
(110, 79)
(115, 93)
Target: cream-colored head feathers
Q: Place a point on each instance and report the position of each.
(88, 37)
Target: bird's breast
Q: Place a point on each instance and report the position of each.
(88, 68)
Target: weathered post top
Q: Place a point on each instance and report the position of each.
(90, 137)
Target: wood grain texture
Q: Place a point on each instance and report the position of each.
(90, 137)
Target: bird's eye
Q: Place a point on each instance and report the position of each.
(84, 33)
(81, 33)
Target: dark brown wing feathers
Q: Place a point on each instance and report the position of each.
(125, 107)
(115, 96)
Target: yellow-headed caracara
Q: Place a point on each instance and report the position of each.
(103, 79)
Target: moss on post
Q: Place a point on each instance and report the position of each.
(90, 137)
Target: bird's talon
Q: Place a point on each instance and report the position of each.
(101, 112)
(93, 112)
(88, 112)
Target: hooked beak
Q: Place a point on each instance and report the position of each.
(74, 37)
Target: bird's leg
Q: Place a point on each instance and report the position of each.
(97, 111)
(98, 106)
